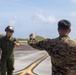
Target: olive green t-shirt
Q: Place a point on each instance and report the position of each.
(7, 46)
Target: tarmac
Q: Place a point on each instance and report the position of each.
(29, 61)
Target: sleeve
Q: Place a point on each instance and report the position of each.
(15, 40)
(41, 45)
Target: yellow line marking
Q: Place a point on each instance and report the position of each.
(29, 70)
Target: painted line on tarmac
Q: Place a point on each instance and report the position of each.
(29, 70)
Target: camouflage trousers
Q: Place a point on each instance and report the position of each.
(60, 71)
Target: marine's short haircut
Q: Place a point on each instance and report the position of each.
(64, 24)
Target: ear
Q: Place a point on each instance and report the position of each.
(69, 30)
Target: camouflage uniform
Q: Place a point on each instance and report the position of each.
(63, 54)
(7, 57)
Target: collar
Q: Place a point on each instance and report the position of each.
(62, 36)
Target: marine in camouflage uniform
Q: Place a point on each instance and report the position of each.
(61, 49)
(7, 44)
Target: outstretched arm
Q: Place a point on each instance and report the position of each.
(41, 45)
(16, 43)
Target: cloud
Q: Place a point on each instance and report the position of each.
(73, 14)
(41, 18)
(13, 21)
(51, 19)
(73, 1)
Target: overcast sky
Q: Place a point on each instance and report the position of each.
(37, 16)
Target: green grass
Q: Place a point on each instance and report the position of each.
(21, 39)
(39, 39)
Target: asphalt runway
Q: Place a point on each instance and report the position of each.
(29, 61)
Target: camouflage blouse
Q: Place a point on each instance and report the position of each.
(63, 54)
